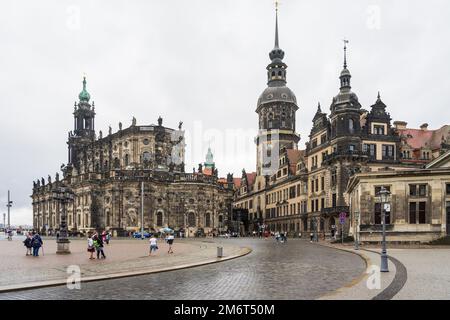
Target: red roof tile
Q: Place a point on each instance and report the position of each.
(418, 138)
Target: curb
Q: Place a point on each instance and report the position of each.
(51, 283)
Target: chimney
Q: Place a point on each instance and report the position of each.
(400, 125)
(424, 127)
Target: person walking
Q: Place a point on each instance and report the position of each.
(27, 244)
(57, 236)
(311, 236)
(91, 247)
(36, 243)
(153, 244)
(108, 237)
(170, 239)
(98, 244)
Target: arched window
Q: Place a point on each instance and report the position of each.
(208, 220)
(116, 163)
(351, 126)
(146, 156)
(191, 219)
(159, 218)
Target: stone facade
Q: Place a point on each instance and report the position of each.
(106, 174)
(298, 191)
(418, 209)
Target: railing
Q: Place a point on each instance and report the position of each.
(347, 153)
(337, 209)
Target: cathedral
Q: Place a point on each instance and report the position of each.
(306, 191)
(131, 177)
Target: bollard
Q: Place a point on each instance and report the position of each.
(219, 252)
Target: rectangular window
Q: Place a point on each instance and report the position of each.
(317, 204)
(322, 203)
(412, 190)
(412, 213)
(387, 152)
(379, 130)
(323, 139)
(323, 183)
(292, 192)
(422, 212)
(334, 200)
(312, 206)
(378, 189)
(250, 204)
(422, 190)
(312, 185)
(317, 185)
(314, 143)
(377, 213)
(447, 187)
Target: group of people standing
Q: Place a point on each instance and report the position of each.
(96, 243)
(33, 242)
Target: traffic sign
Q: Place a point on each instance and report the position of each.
(342, 217)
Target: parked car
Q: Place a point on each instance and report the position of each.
(137, 235)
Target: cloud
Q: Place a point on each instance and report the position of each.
(204, 61)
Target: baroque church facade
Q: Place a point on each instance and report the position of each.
(116, 176)
(304, 191)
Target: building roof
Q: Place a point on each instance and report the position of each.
(251, 177)
(294, 157)
(419, 138)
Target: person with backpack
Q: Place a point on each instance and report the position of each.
(36, 243)
(27, 244)
(98, 244)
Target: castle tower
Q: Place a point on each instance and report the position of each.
(276, 110)
(84, 125)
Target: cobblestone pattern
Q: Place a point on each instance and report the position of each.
(295, 270)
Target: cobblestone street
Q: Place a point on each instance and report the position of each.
(295, 270)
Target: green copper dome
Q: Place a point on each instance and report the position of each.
(84, 96)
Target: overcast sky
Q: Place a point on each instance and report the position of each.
(203, 62)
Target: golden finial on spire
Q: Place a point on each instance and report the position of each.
(277, 3)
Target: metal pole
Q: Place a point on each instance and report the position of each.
(356, 231)
(142, 210)
(342, 233)
(384, 260)
(9, 207)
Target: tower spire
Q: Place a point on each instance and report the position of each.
(345, 53)
(276, 24)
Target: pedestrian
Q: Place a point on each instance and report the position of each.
(98, 244)
(170, 239)
(311, 236)
(108, 237)
(104, 236)
(91, 247)
(153, 244)
(36, 243)
(299, 234)
(57, 236)
(27, 244)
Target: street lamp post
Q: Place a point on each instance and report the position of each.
(9, 205)
(64, 196)
(356, 230)
(384, 196)
(315, 229)
(142, 210)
